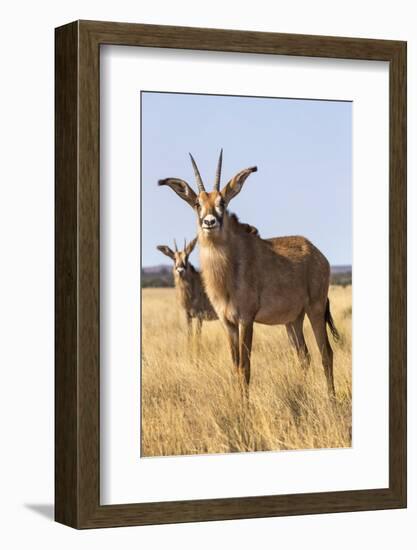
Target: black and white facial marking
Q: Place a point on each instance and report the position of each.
(210, 206)
(179, 257)
(181, 263)
(210, 209)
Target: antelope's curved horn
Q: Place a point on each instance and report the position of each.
(175, 245)
(219, 172)
(185, 244)
(200, 183)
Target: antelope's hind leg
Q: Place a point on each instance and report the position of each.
(245, 348)
(296, 337)
(318, 323)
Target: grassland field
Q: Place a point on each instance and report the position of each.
(190, 399)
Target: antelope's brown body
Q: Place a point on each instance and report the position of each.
(192, 297)
(269, 281)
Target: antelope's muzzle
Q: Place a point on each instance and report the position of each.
(209, 223)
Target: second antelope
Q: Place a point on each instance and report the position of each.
(249, 279)
(189, 286)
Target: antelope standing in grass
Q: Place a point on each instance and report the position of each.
(190, 290)
(249, 279)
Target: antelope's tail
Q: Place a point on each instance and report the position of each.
(329, 321)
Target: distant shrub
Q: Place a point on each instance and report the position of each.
(341, 279)
(160, 279)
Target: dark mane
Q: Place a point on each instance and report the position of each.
(243, 227)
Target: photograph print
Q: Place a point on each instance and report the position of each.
(246, 274)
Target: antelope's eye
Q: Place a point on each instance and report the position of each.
(197, 204)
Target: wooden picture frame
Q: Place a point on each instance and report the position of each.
(77, 374)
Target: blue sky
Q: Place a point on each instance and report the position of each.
(303, 150)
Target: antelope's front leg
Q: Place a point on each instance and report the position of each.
(245, 348)
(189, 328)
(199, 324)
(233, 339)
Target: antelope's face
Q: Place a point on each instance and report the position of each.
(179, 257)
(180, 263)
(210, 209)
(209, 206)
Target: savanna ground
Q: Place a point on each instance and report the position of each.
(191, 402)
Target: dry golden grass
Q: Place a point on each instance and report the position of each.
(190, 398)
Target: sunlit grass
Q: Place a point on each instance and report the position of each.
(191, 401)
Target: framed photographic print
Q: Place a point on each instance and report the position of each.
(230, 274)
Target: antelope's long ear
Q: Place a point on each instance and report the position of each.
(190, 247)
(234, 186)
(181, 188)
(166, 250)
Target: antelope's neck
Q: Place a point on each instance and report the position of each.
(217, 268)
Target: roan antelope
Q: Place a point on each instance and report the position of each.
(190, 290)
(249, 279)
